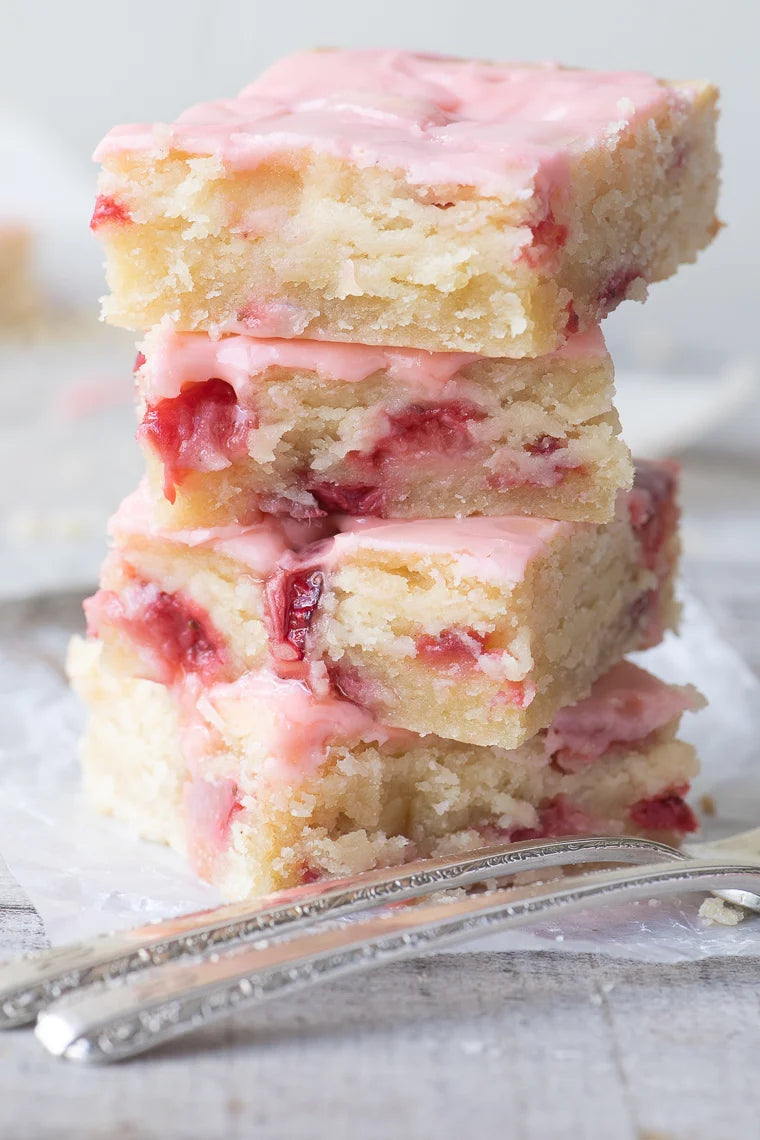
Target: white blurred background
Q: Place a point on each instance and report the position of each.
(80, 66)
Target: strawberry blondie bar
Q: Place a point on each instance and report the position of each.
(20, 305)
(478, 629)
(241, 425)
(392, 198)
(264, 785)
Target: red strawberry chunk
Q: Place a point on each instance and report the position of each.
(573, 322)
(352, 684)
(356, 500)
(421, 429)
(556, 817)
(667, 812)
(181, 632)
(309, 874)
(292, 598)
(202, 429)
(109, 211)
(653, 508)
(548, 238)
(171, 633)
(615, 289)
(520, 694)
(545, 445)
(549, 232)
(450, 647)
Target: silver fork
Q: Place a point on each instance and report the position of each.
(112, 1023)
(122, 1021)
(30, 984)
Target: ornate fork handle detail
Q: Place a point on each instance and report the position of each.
(122, 1021)
(27, 986)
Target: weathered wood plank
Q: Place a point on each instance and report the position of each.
(529, 1046)
(21, 928)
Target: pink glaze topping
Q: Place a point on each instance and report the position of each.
(259, 546)
(210, 806)
(294, 726)
(625, 706)
(497, 548)
(174, 359)
(502, 547)
(501, 127)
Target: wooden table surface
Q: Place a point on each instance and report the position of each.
(524, 1046)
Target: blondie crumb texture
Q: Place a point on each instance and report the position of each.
(389, 198)
(262, 789)
(234, 427)
(476, 629)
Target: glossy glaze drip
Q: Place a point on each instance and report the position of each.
(511, 128)
(173, 359)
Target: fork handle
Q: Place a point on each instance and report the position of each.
(122, 1021)
(28, 985)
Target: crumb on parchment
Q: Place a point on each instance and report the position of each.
(717, 911)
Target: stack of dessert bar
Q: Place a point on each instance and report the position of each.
(373, 598)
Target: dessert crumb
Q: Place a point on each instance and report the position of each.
(715, 910)
(707, 805)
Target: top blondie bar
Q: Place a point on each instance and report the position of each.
(414, 200)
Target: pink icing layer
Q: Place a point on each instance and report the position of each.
(493, 548)
(260, 546)
(174, 359)
(496, 547)
(210, 806)
(500, 547)
(298, 726)
(625, 707)
(503, 127)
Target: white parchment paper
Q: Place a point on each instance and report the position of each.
(86, 874)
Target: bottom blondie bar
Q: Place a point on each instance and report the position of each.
(263, 785)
